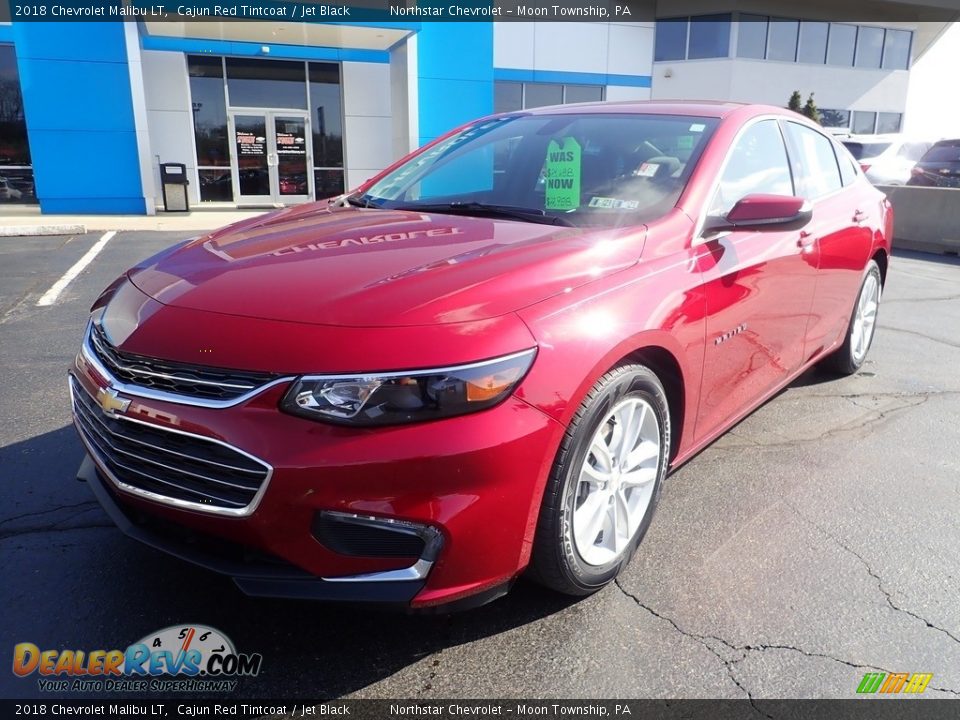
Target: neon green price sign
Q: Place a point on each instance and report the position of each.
(563, 175)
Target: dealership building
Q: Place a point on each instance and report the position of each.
(266, 113)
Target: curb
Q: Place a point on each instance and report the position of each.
(33, 230)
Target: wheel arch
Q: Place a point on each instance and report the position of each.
(667, 368)
(880, 257)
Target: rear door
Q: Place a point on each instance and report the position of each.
(759, 285)
(845, 209)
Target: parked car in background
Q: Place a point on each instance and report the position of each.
(458, 372)
(939, 167)
(886, 159)
(8, 192)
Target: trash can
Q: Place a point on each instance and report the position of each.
(173, 178)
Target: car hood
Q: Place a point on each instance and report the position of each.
(370, 267)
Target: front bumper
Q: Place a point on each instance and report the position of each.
(257, 574)
(475, 480)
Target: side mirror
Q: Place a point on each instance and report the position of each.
(758, 210)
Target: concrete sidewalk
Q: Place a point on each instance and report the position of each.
(20, 221)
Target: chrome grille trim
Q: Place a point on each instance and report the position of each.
(102, 351)
(98, 438)
(90, 356)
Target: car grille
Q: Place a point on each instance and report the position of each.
(178, 378)
(170, 464)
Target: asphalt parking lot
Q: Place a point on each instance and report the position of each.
(817, 541)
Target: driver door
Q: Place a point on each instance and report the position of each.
(759, 285)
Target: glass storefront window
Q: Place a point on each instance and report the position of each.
(266, 83)
(209, 110)
(709, 37)
(327, 183)
(582, 93)
(507, 96)
(835, 118)
(783, 40)
(271, 154)
(813, 42)
(671, 39)
(752, 37)
(16, 175)
(216, 185)
(888, 122)
(327, 124)
(542, 94)
(842, 42)
(864, 123)
(869, 47)
(896, 49)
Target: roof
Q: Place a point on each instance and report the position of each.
(704, 108)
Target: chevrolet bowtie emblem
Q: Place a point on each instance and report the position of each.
(110, 402)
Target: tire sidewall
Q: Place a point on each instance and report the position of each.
(636, 382)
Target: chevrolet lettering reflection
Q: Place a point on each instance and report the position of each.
(368, 240)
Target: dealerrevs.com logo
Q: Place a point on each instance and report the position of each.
(187, 658)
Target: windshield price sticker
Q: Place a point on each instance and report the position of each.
(614, 203)
(563, 175)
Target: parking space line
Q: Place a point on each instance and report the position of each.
(51, 295)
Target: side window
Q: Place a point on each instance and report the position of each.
(757, 164)
(814, 161)
(848, 168)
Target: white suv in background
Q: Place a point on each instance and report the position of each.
(886, 159)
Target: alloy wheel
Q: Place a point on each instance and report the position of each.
(616, 481)
(865, 319)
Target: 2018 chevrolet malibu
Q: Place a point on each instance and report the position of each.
(485, 360)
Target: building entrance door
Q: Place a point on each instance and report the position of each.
(270, 155)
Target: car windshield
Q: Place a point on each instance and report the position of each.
(943, 153)
(861, 150)
(572, 169)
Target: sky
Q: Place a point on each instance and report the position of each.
(933, 100)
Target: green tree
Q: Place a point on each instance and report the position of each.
(810, 110)
(795, 101)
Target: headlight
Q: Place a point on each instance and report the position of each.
(404, 397)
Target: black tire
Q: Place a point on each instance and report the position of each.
(555, 561)
(843, 361)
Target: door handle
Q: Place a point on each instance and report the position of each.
(859, 216)
(806, 239)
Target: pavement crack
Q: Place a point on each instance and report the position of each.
(871, 418)
(942, 298)
(745, 650)
(37, 513)
(43, 530)
(916, 333)
(705, 641)
(888, 596)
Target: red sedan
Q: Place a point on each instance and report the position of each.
(484, 361)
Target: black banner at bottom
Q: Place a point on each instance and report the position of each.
(875, 708)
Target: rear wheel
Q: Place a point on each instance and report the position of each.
(851, 355)
(605, 483)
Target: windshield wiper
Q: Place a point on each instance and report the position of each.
(479, 208)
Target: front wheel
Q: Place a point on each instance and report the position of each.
(849, 358)
(605, 483)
